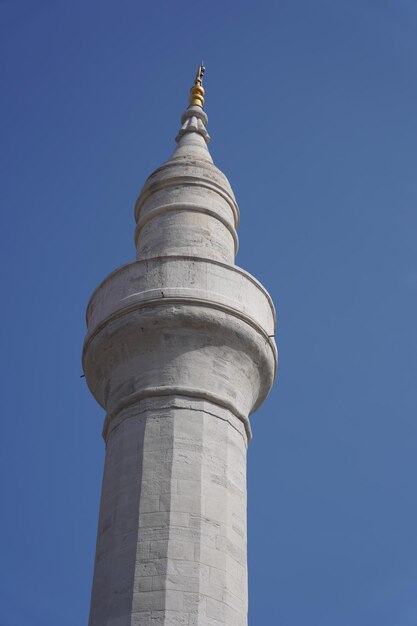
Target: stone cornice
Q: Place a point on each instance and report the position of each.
(164, 259)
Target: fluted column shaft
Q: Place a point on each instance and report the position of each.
(171, 545)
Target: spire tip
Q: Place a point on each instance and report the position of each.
(197, 91)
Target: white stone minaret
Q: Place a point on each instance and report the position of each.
(179, 351)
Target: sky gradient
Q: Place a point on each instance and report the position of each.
(312, 113)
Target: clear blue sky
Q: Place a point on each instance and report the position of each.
(312, 109)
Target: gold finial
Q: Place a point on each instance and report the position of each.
(197, 92)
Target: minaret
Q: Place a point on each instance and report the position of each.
(179, 352)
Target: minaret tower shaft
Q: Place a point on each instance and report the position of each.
(179, 352)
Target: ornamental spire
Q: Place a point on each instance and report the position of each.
(197, 91)
(194, 118)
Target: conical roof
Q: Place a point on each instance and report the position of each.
(187, 205)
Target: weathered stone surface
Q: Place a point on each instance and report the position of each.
(179, 351)
(194, 541)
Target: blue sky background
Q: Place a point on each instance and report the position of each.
(312, 109)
